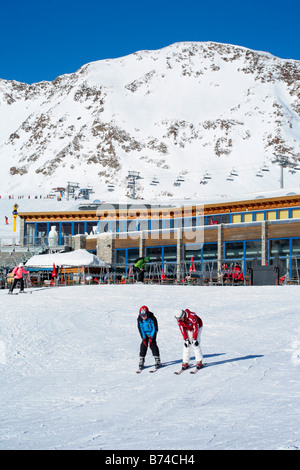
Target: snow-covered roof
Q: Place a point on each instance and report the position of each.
(70, 259)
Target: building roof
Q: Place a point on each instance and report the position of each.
(77, 258)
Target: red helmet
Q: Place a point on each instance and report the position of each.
(144, 311)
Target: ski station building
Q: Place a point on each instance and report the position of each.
(185, 242)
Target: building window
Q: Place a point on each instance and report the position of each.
(295, 213)
(154, 253)
(283, 214)
(296, 247)
(253, 249)
(259, 216)
(170, 254)
(29, 234)
(209, 251)
(248, 217)
(192, 250)
(234, 250)
(79, 228)
(280, 247)
(236, 218)
(271, 215)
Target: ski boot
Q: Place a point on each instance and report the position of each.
(199, 365)
(184, 366)
(157, 362)
(141, 363)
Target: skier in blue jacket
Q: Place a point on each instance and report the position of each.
(148, 328)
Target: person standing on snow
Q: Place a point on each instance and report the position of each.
(190, 326)
(18, 273)
(148, 328)
(139, 268)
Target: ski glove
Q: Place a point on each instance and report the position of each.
(145, 343)
(150, 341)
(187, 343)
(195, 342)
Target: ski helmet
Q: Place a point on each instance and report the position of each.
(20, 265)
(144, 311)
(180, 314)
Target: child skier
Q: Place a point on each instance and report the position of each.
(190, 326)
(148, 328)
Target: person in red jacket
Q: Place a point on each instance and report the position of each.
(190, 326)
(18, 273)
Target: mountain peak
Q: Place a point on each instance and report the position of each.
(189, 108)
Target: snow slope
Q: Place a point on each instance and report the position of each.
(68, 358)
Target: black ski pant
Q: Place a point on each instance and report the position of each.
(153, 347)
(139, 274)
(15, 283)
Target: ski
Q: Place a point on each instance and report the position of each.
(139, 371)
(155, 370)
(197, 369)
(181, 370)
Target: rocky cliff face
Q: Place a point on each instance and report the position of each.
(190, 109)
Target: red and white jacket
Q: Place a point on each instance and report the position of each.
(191, 322)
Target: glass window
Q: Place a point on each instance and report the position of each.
(248, 217)
(132, 255)
(225, 218)
(66, 232)
(210, 251)
(30, 232)
(284, 214)
(131, 225)
(154, 253)
(103, 226)
(78, 228)
(234, 250)
(92, 227)
(115, 226)
(156, 224)
(253, 249)
(41, 232)
(295, 213)
(120, 256)
(192, 250)
(143, 225)
(296, 247)
(259, 216)
(280, 247)
(170, 254)
(271, 215)
(236, 218)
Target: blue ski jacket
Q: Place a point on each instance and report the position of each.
(147, 327)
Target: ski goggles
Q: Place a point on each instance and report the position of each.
(143, 316)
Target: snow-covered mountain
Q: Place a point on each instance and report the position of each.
(195, 110)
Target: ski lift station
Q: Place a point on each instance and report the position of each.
(263, 228)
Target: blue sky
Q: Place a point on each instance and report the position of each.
(40, 40)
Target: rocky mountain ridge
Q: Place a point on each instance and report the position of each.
(194, 110)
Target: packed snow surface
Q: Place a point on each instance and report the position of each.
(68, 357)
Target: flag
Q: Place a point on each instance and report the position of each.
(192, 266)
(54, 271)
